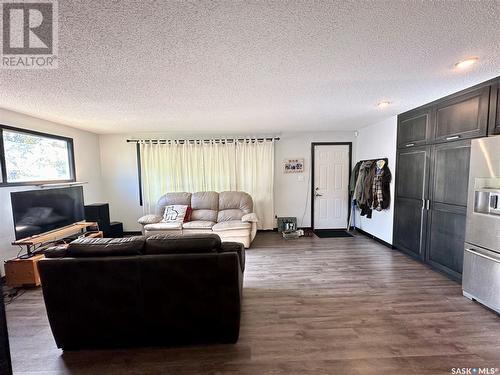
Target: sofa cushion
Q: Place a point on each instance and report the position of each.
(198, 224)
(173, 198)
(233, 205)
(186, 244)
(205, 206)
(163, 226)
(229, 214)
(95, 247)
(231, 225)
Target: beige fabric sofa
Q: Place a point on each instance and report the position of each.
(228, 214)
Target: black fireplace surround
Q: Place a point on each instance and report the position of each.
(163, 290)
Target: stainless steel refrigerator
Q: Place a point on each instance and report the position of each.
(481, 272)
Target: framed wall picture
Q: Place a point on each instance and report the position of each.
(293, 165)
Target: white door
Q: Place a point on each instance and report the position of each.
(331, 186)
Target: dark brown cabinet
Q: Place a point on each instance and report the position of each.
(465, 116)
(445, 238)
(450, 173)
(432, 174)
(409, 218)
(447, 207)
(414, 128)
(413, 170)
(494, 123)
(410, 214)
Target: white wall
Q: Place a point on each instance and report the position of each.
(378, 141)
(291, 191)
(120, 179)
(87, 163)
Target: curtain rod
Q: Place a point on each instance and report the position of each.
(201, 140)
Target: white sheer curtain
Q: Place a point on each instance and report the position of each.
(246, 165)
(255, 175)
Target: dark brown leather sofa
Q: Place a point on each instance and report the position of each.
(102, 293)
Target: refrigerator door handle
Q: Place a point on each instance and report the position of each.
(482, 255)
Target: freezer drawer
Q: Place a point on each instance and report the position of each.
(481, 276)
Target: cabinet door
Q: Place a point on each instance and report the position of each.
(445, 238)
(447, 216)
(450, 173)
(414, 128)
(412, 173)
(494, 125)
(410, 216)
(410, 220)
(465, 116)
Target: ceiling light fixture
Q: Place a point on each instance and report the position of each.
(383, 104)
(464, 64)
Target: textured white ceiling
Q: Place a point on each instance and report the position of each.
(253, 67)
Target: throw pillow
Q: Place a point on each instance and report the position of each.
(189, 211)
(175, 213)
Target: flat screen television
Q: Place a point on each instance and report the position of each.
(39, 211)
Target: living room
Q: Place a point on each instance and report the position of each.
(332, 170)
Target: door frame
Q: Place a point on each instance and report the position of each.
(313, 146)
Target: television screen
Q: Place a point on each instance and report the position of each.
(39, 211)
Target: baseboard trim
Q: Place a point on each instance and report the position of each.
(276, 229)
(386, 244)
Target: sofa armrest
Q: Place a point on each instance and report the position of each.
(234, 247)
(149, 219)
(230, 292)
(251, 218)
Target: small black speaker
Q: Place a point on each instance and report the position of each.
(115, 230)
(98, 212)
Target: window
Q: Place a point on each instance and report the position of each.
(28, 157)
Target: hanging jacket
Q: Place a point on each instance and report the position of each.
(354, 178)
(360, 191)
(377, 186)
(382, 189)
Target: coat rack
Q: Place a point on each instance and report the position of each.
(352, 207)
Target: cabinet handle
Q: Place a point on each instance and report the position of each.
(428, 206)
(410, 144)
(452, 138)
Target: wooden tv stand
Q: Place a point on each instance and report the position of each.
(34, 242)
(22, 271)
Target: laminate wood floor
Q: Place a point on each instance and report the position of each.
(311, 306)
